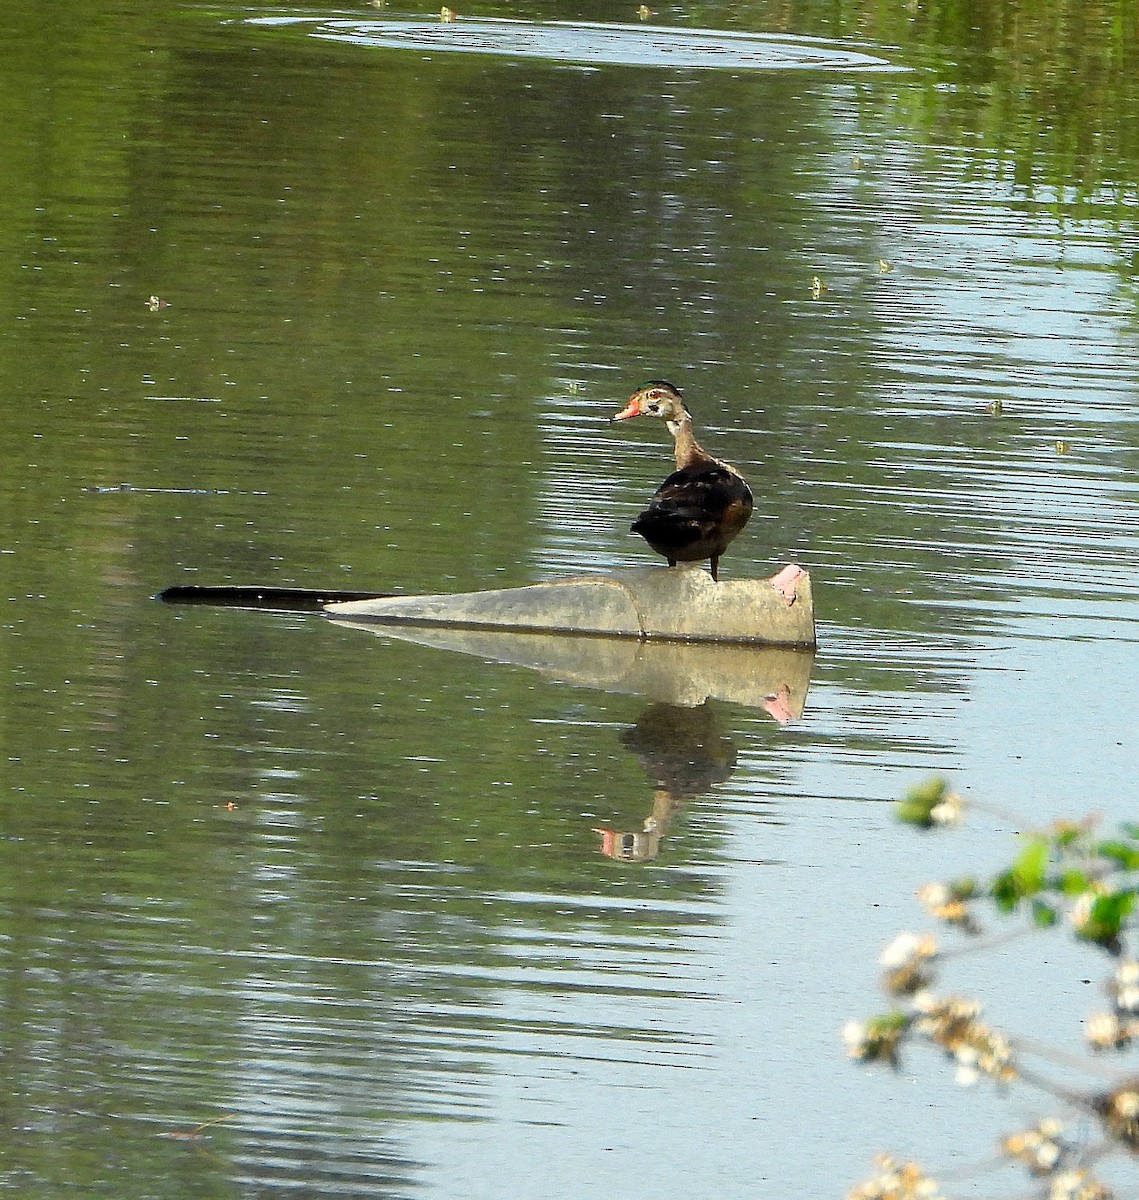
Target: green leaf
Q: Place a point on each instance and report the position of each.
(1004, 891)
(1043, 914)
(1073, 882)
(1068, 834)
(964, 888)
(920, 801)
(1123, 853)
(893, 1021)
(1113, 907)
(1024, 878)
(1029, 867)
(1105, 919)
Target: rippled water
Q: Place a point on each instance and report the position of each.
(588, 43)
(345, 895)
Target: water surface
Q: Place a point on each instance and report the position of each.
(347, 892)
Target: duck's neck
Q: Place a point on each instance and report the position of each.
(685, 447)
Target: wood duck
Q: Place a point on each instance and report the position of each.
(704, 503)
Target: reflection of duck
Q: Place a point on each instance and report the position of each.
(684, 753)
(704, 503)
(682, 749)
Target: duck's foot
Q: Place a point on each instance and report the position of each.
(778, 705)
(786, 582)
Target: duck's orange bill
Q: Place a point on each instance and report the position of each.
(632, 409)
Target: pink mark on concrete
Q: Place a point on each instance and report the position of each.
(787, 581)
(778, 705)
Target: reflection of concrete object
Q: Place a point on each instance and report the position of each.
(767, 677)
(677, 740)
(679, 603)
(685, 753)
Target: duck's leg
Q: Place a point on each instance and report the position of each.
(715, 565)
(672, 562)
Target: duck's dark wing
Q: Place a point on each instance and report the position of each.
(696, 512)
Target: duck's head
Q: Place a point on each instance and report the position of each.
(657, 398)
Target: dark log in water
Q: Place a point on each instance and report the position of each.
(276, 599)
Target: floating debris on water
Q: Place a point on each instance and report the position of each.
(106, 489)
(187, 399)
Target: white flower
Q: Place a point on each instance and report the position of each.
(1124, 987)
(1105, 1031)
(967, 1069)
(854, 1037)
(907, 949)
(949, 811)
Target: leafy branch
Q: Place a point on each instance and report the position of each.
(1067, 874)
